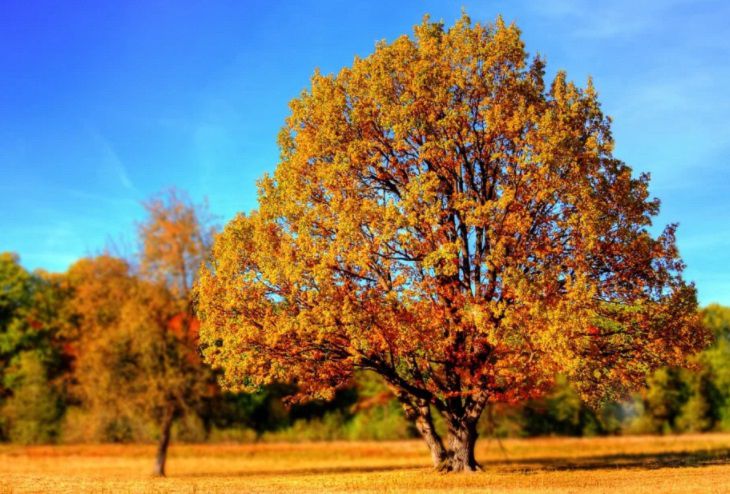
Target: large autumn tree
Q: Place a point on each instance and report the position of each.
(444, 218)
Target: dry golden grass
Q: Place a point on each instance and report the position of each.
(692, 463)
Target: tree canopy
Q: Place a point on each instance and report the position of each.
(34, 356)
(138, 336)
(445, 218)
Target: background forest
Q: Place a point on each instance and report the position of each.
(108, 352)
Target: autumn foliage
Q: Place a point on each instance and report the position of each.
(444, 218)
(137, 334)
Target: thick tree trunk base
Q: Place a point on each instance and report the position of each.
(450, 466)
(457, 455)
(460, 455)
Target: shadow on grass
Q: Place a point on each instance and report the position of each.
(307, 471)
(647, 461)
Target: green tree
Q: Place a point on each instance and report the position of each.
(16, 299)
(700, 411)
(715, 361)
(33, 360)
(662, 401)
(34, 409)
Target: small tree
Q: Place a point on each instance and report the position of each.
(442, 218)
(138, 336)
(175, 240)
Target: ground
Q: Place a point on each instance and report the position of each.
(642, 464)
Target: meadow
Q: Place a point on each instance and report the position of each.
(638, 464)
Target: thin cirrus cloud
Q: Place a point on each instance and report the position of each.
(109, 161)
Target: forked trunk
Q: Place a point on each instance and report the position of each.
(163, 444)
(458, 455)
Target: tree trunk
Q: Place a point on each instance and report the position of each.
(462, 439)
(419, 413)
(164, 442)
(458, 456)
(424, 425)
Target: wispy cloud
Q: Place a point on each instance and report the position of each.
(110, 160)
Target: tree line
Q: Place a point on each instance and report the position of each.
(109, 352)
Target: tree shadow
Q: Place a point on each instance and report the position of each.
(646, 461)
(284, 472)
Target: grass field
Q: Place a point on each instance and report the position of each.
(691, 463)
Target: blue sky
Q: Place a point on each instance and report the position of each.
(105, 103)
